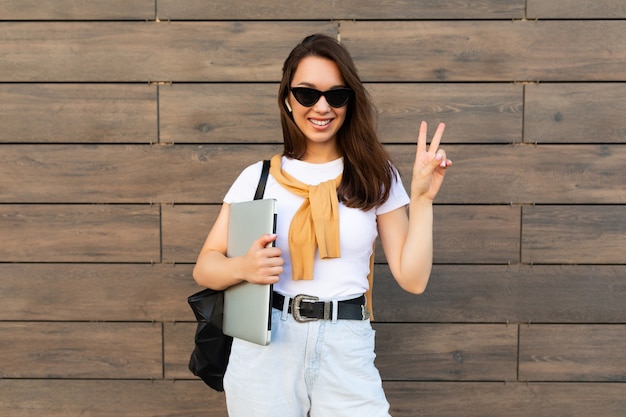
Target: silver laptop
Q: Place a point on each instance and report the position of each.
(248, 307)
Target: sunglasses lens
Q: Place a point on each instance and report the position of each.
(309, 96)
(338, 98)
(306, 96)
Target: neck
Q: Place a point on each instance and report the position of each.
(321, 154)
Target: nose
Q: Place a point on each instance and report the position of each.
(322, 105)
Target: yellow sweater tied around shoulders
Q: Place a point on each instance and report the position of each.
(315, 224)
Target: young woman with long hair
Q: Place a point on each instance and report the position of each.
(337, 190)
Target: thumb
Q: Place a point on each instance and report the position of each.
(265, 240)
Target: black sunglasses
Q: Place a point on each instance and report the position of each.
(337, 97)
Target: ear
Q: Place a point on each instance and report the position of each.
(287, 105)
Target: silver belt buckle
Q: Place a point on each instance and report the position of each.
(295, 307)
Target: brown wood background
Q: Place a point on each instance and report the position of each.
(123, 122)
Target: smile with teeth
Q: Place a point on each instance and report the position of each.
(320, 122)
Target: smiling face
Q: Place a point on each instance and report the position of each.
(320, 122)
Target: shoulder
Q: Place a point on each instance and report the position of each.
(398, 195)
(245, 185)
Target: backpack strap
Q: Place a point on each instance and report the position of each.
(260, 189)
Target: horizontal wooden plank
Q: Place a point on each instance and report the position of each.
(150, 51)
(251, 51)
(575, 113)
(500, 294)
(81, 350)
(219, 113)
(87, 113)
(571, 294)
(482, 174)
(548, 174)
(102, 398)
(451, 399)
(408, 399)
(473, 113)
(572, 353)
(476, 234)
(125, 292)
(574, 234)
(455, 293)
(77, 10)
(339, 9)
(449, 352)
(178, 343)
(237, 113)
(123, 174)
(576, 9)
(488, 51)
(79, 233)
(462, 234)
(461, 352)
(185, 229)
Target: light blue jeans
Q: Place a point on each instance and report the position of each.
(316, 369)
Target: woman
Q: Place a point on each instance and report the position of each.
(336, 190)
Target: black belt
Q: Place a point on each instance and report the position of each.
(308, 308)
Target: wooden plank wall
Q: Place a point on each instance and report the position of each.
(124, 122)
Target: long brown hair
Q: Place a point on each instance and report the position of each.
(367, 170)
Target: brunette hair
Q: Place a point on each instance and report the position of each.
(367, 170)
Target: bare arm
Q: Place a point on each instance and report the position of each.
(408, 240)
(260, 265)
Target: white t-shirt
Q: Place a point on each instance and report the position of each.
(338, 278)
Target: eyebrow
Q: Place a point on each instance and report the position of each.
(306, 84)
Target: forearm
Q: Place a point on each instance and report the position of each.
(216, 271)
(417, 252)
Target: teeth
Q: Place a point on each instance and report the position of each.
(320, 122)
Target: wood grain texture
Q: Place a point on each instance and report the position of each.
(81, 350)
(105, 398)
(576, 9)
(455, 293)
(404, 351)
(463, 234)
(78, 113)
(575, 113)
(219, 113)
(573, 353)
(77, 10)
(127, 292)
(586, 174)
(79, 233)
(237, 113)
(488, 51)
(448, 352)
(127, 52)
(574, 234)
(339, 9)
(178, 343)
(528, 174)
(251, 51)
(123, 174)
(501, 294)
(484, 399)
(124, 123)
(185, 229)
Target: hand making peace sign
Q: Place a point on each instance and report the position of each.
(430, 165)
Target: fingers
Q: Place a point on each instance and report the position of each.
(265, 241)
(266, 261)
(421, 138)
(441, 160)
(423, 134)
(434, 144)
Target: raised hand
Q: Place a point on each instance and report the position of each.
(430, 165)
